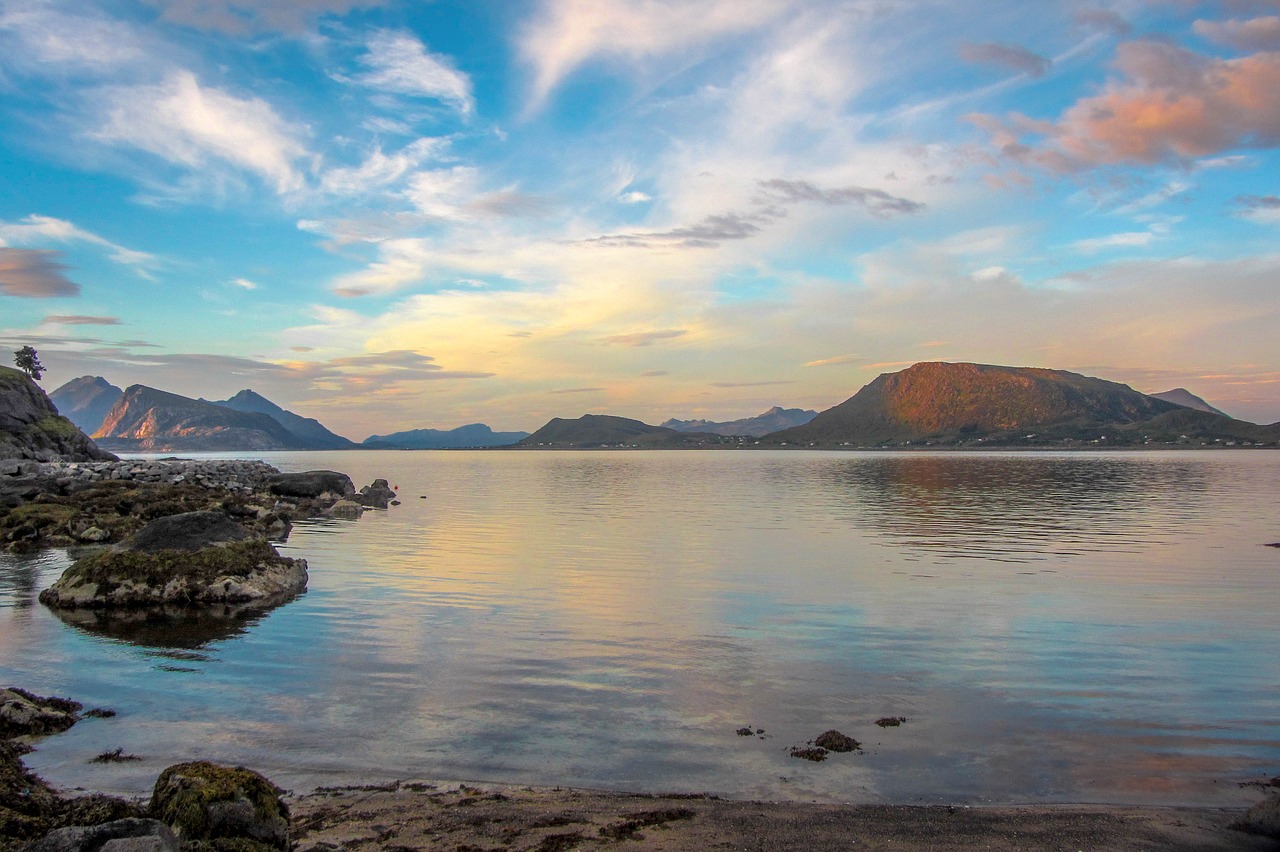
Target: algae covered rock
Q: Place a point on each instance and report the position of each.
(133, 834)
(24, 714)
(206, 802)
(239, 572)
(189, 531)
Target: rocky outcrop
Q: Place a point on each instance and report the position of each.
(199, 558)
(32, 429)
(204, 801)
(378, 495)
(25, 715)
(315, 484)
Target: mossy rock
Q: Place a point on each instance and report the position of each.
(221, 806)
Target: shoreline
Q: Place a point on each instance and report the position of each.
(473, 816)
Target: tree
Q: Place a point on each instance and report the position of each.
(28, 362)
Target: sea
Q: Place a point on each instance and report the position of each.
(1047, 627)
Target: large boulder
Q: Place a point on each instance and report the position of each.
(31, 428)
(1263, 818)
(204, 801)
(239, 572)
(188, 531)
(377, 495)
(24, 714)
(124, 835)
(312, 484)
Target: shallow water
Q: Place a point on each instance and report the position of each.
(1055, 627)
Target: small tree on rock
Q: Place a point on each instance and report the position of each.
(28, 362)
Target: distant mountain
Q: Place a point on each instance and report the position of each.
(308, 431)
(1185, 398)
(602, 430)
(149, 420)
(773, 420)
(31, 428)
(943, 403)
(85, 401)
(471, 435)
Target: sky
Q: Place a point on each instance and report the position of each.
(398, 214)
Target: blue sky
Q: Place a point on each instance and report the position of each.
(395, 215)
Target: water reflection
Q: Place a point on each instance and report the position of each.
(1014, 508)
(172, 627)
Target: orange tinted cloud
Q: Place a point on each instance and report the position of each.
(1171, 103)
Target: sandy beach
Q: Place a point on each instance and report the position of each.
(472, 817)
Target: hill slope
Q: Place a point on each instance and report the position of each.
(773, 420)
(85, 401)
(1185, 398)
(963, 403)
(150, 420)
(603, 430)
(31, 428)
(308, 431)
(471, 435)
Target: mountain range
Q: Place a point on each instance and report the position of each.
(598, 431)
(471, 435)
(773, 420)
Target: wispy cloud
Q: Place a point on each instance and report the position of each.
(1011, 56)
(203, 128)
(35, 229)
(644, 338)
(79, 319)
(838, 359)
(34, 274)
(242, 17)
(400, 63)
(1250, 34)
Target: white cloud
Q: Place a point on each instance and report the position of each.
(200, 127)
(1130, 239)
(245, 283)
(399, 63)
(380, 170)
(635, 197)
(36, 229)
(51, 39)
(568, 33)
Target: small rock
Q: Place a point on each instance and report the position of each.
(346, 509)
(94, 535)
(817, 755)
(125, 835)
(890, 721)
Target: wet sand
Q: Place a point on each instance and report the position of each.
(472, 817)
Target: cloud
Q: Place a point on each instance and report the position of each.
(752, 384)
(244, 283)
(1132, 239)
(401, 64)
(877, 202)
(644, 338)
(1104, 20)
(45, 39)
(78, 319)
(36, 228)
(839, 359)
(199, 127)
(1251, 34)
(576, 390)
(1169, 104)
(568, 33)
(34, 274)
(1008, 55)
(1259, 208)
(241, 17)
(380, 170)
(634, 197)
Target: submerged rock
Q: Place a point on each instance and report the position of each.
(204, 801)
(348, 509)
(239, 572)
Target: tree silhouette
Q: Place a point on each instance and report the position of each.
(28, 362)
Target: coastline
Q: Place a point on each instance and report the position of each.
(440, 815)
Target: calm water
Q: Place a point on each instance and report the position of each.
(1055, 628)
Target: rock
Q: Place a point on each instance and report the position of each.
(125, 835)
(189, 531)
(32, 428)
(94, 535)
(203, 801)
(377, 495)
(348, 509)
(311, 483)
(24, 714)
(242, 571)
(836, 741)
(1263, 818)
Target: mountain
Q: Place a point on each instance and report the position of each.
(603, 430)
(308, 431)
(1185, 398)
(149, 420)
(942, 403)
(471, 435)
(85, 401)
(773, 420)
(31, 428)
